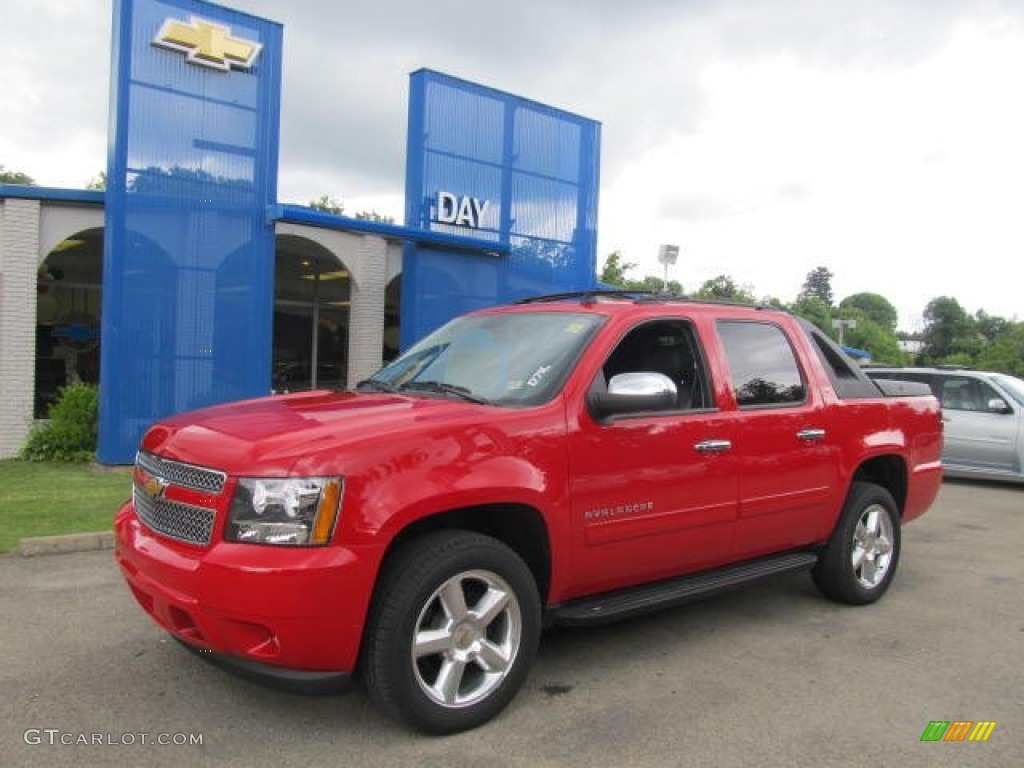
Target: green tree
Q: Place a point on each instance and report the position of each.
(99, 181)
(655, 285)
(15, 177)
(327, 204)
(1005, 353)
(991, 327)
(374, 216)
(873, 306)
(724, 288)
(818, 283)
(615, 270)
(814, 309)
(872, 337)
(949, 334)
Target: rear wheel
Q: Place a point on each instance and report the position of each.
(453, 631)
(860, 560)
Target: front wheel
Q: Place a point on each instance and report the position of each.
(453, 631)
(859, 562)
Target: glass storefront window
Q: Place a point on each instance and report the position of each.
(68, 302)
(311, 318)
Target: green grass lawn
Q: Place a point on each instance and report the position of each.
(41, 499)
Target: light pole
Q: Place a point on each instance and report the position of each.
(841, 324)
(667, 255)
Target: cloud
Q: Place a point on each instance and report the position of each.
(880, 138)
(346, 91)
(54, 95)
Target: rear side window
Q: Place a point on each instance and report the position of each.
(762, 363)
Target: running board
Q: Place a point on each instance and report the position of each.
(612, 606)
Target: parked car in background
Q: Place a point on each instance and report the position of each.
(984, 419)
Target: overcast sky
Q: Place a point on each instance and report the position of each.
(883, 139)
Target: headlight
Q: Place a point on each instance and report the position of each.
(300, 511)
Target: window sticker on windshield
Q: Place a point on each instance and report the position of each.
(538, 376)
(575, 327)
(515, 384)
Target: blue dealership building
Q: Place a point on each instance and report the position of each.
(186, 283)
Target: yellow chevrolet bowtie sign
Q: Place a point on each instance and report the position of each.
(207, 44)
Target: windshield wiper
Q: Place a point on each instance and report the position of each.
(376, 385)
(445, 388)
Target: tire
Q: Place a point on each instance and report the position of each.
(859, 562)
(452, 632)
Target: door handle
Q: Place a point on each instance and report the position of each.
(713, 446)
(811, 435)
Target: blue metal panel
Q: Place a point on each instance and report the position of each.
(189, 253)
(522, 174)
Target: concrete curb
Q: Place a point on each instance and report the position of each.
(72, 542)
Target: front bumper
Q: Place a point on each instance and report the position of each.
(267, 610)
(293, 680)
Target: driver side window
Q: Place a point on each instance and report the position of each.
(960, 393)
(668, 347)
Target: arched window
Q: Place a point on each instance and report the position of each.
(68, 302)
(312, 291)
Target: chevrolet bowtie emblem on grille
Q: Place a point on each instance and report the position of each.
(207, 44)
(155, 486)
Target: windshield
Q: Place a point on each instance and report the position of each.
(1013, 385)
(508, 359)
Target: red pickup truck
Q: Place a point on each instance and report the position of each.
(572, 459)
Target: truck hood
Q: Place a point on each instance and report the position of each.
(268, 435)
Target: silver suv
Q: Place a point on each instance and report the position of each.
(984, 419)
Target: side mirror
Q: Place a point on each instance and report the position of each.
(634, 393)
(998, 405)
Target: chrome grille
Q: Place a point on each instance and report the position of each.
(172, 518)
(179, 473)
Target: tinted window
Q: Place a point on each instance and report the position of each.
(960, 393)
(763, 366)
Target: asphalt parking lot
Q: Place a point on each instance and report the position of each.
(773, 675)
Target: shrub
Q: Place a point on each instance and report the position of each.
(70, 433)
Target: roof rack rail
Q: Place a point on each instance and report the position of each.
(702, 300)
(588, 297)
(638, 297)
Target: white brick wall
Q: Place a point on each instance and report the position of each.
(366, 312)
(19, 253)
